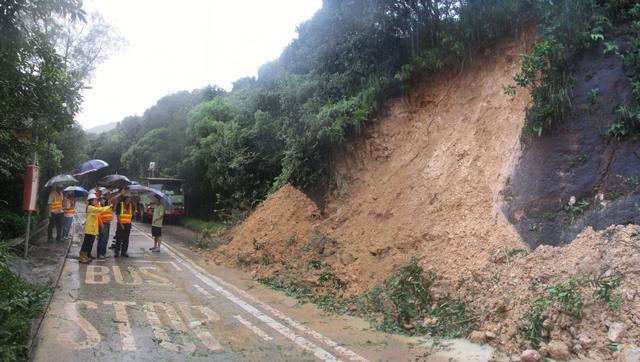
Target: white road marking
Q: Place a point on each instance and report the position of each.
(203, 291)
(262, 334)
(159, 261)
(150, 273)
(124, 327)
(95, 271)
(117, 274)
(207, 278)
(197, 327)
(92, 336)
(161, 333)
(345, 351)
(301, 341)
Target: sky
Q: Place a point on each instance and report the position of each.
(172, 48)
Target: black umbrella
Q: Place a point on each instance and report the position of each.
(114, 181)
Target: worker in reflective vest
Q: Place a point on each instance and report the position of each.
(69, 210)
(124, 212)
(91, 228)
(56, 214)
(106, 218)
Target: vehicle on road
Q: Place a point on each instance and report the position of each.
(173, 188)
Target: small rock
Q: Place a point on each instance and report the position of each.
(547, 323)
(530, 355)
(616, 331)
(490, 335)
(577, 348)
(558, 350)
(629, 354)
(477, 337)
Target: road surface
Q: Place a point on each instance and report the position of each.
(170, 306)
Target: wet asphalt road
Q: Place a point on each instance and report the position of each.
(166, 307)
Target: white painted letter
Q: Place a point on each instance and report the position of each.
(72, 314)
(94, 271)
(161, 333)
(149, 272)
(124, 327)
(117, 274)
(198, 325)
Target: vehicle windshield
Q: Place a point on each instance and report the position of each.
(169, 189)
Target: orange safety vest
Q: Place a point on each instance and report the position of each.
(56, 205)
(125, 213)
(107, 215)
(71, 209)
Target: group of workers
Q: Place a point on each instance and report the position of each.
(99, 216)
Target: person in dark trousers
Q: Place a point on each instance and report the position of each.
(124, 212)
(156, 224)
(56, 214)
(91, 227)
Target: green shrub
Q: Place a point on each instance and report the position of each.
(11, 224)
(20, 303)
(404, 303)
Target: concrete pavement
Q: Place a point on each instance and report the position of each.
(170, 306)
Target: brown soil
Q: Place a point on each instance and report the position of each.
(424, 182)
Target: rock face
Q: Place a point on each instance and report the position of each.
(530, 355)
(567, 165)
(616, 331)
(559, 351)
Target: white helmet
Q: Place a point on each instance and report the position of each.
(91, 197)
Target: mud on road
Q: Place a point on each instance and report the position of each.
(167, 307)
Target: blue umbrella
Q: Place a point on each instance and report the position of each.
(89, 166)
(144, 190)
(78, 191)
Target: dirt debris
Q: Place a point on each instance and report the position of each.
(425, 182)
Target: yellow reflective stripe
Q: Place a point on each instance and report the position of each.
(125, 214)
(56, 204)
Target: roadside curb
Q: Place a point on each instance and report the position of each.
(37, 323)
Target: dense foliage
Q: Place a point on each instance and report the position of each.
(48, 50)
(20, 303)
(566, 29)
(328, 83)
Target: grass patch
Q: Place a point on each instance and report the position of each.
(198, 225)
(403, 304)
(208, 231)
(568, 298)
(20, 303)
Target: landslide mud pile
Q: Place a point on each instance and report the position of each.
(422, 182)
(425, 182)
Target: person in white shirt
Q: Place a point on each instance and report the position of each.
(69, 209)
(156, 224)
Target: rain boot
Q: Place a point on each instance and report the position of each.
(83, 258)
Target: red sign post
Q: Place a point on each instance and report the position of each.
(30, 193)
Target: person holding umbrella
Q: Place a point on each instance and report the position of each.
(69, 210)
(124, 211)
(56, 213)
(105, 228)
(91, 227)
